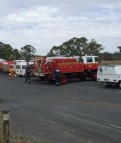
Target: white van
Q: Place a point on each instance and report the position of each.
(21, 67)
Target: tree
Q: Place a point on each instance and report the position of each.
(71, 47)
(27, 52)
(76, 47)
(81, 45)
(6, 51)
(106, 56)
(15, 54)
(92, 48)
(1, 50)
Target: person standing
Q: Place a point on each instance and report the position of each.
(57, 74)
(11, 72)
(28, 74)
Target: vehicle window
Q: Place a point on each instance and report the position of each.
(89, 59)
(17, 66)
(97, 59)
(80, 59)
(23, 67)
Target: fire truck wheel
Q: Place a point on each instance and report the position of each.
(119, 84)
(64, 79)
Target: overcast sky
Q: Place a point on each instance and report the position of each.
(47, 23)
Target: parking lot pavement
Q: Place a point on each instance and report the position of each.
(72, 113)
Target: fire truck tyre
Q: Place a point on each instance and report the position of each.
(119, 84)
(64, 79)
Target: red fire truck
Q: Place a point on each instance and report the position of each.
(70, 67)
(36, 68)
(6, 65)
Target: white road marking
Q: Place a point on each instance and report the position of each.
(87, 115)
(118, 92)
(115, 126)
(93, 87)
(108, 126)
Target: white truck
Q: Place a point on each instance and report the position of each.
(109, 75)
(21, 67)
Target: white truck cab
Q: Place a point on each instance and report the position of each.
(109, 75)
(91, 59)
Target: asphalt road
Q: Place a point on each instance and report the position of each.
(79, 112)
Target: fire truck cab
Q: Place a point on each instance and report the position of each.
(91, 64)
(90, 59)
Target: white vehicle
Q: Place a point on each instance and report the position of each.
(90, 59)
(2, 60)
(21, 67)
(85, 59)
(19, 61)
(110, 75)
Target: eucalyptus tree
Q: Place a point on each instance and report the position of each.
(1, 50)
(5, 51)
(93, 48)
(16, 54)
(27, 52)
(71, 47)
(76, 47)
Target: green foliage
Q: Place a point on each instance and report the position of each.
(5, 51)
(93, 48)
(76, 46)
(27, 52)
(106, 56)
(8, 53)
(15, 54)
(72, 47)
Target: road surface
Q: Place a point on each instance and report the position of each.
(78, 112)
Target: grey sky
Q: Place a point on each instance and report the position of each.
(46, 23)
